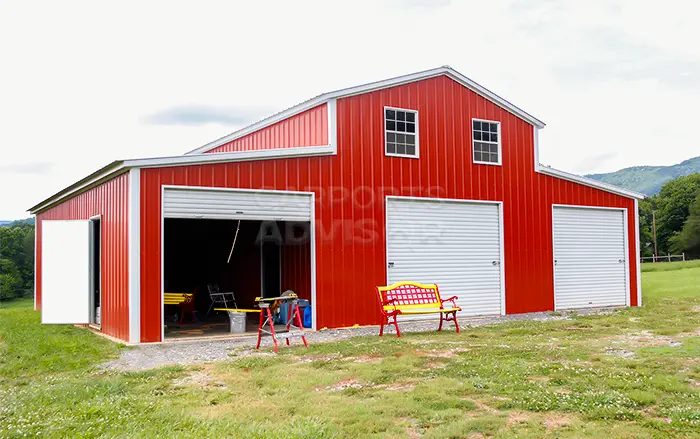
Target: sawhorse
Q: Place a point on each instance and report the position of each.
(295, 328)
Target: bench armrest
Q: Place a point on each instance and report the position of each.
(450, 299)
(387, 303)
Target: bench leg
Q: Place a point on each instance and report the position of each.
(450, 317)
(396, 324)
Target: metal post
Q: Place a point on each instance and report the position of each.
(669, 257)
(683, 254)
(653, 222)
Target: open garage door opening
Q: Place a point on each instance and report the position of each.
(227, 247)
(268, 258)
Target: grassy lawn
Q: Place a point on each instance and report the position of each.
(633, 373)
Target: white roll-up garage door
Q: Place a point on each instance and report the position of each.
(211, 203)
(590, 257)
(455, 244)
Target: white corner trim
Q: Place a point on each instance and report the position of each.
(36, 227)
(312, 256)
(366, 88)
(639, 255)
(536, 142)
(589, 182)
(262, 154)
(333, 124)
(135, 256)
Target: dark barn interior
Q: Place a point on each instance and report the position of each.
(268, 258)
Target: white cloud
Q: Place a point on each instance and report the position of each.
(612, 79)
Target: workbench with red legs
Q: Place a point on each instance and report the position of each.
(268, 307)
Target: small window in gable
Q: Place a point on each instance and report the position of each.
(486, 141)
(400, 132)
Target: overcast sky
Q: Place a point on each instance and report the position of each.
(85, 83)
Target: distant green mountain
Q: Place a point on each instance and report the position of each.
(648, 179)
(4, 223)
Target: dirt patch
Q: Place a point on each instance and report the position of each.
(644, 339)
(406, 387)
(620, 353)
(449, 353)
(366, 359)
(200, 378)
(432, 365)
(348, 383)
(312, 358)
(538, 379)
(556, 421)
(515, 418)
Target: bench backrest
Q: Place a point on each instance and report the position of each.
(408, 295)
(176, 298)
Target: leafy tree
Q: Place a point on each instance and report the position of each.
(16, 260)
(10, 280)
(646, 235)
(688, 239)
(672, 206)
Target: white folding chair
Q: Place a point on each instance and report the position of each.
(217, 296)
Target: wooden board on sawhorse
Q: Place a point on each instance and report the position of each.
(295, 328)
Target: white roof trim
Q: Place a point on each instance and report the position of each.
(589, 182)
(121, 166)
(366, 88)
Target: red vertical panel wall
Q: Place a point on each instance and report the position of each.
(350, 193)
(110, 200)
(308, 128)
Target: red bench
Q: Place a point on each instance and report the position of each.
(410, 298)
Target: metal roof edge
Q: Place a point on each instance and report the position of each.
(590, 182)
(104, 173)
(120, 166)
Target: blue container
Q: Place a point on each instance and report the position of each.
(307, 317)
(283, 315)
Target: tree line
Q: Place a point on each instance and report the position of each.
(676, 211)
(16, 261)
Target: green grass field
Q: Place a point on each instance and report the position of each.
(633, 373)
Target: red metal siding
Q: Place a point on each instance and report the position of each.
(110, 200)
(350, 199)
(309, 128)
(296, 264)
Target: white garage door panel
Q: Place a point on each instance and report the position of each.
(222, 204)
(65, 272)
(590, 254)
(452, 244)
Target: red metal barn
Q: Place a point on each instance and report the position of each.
(427, 177)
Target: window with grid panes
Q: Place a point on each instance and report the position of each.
(486, 141)
(401, 132)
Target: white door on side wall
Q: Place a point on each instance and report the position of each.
(590, 257)
(454, 244)
(65, 272)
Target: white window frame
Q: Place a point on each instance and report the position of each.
(499, 143)
(407, 110)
